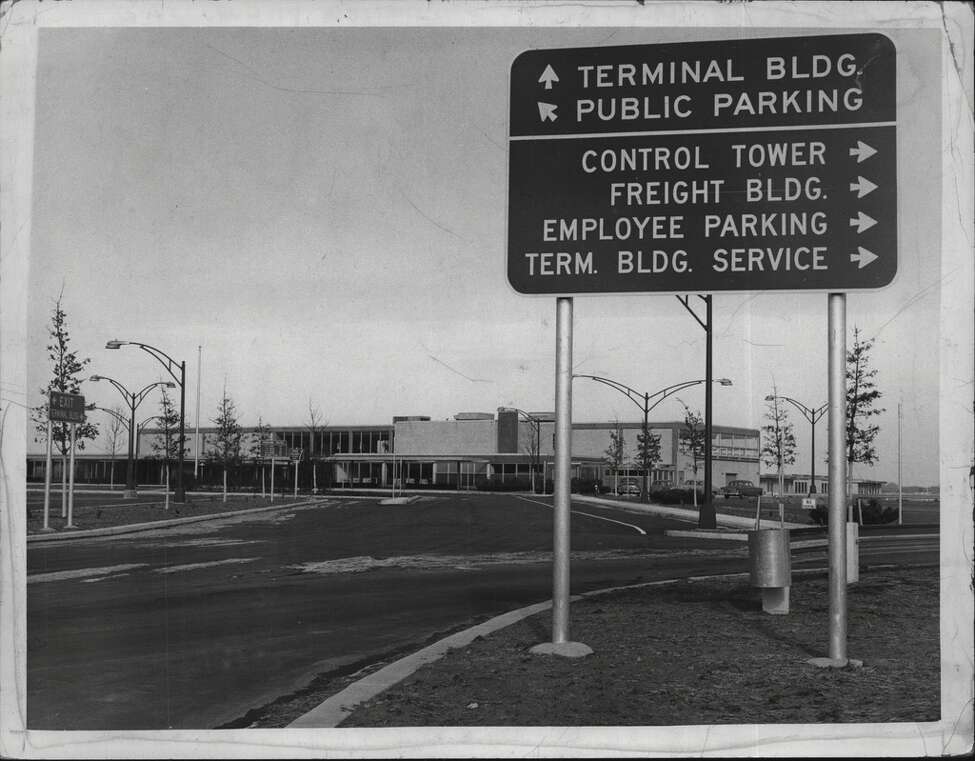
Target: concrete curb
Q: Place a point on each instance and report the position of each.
(334, 710)
(132, 528)
(684, 514)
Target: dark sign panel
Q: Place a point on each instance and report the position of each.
(736, 165)
(66, 408)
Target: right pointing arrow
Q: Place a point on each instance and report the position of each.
(862, 186)
(862, 222)
(862, 151)
(862, 256)
(547, 111)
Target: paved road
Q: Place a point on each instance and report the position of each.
(192, 627)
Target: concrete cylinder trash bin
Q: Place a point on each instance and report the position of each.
(771, 567)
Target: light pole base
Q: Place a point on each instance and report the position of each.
(835, 663)
(47, 530)
(130, 493)
(71, 527)
(565, 649)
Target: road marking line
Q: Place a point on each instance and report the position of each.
(590, 515)
(81, 573)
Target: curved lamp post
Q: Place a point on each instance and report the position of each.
(172, 366)
(133, 399)
(812, 415)
(536, 423)
(643, 402)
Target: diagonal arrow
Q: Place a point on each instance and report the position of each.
(547, 111)
(548, 77)
(862, 222)
(862, 256)
(862, 151)
(862, 186)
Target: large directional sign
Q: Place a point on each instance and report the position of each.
(737, 165)
(65, 408)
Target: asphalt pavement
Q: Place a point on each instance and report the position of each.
(194, 626)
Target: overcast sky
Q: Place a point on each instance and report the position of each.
(323, 211)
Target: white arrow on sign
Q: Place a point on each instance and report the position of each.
(862, 151)
(862, 186)
(548, 77)
(547, 111)
(862, 222)
(862, 256)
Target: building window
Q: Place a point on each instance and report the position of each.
(800, 487)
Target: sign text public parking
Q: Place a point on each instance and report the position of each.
(742, 165)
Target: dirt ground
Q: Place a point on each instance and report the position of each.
(691, 653)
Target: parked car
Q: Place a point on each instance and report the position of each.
(698, 484)
(740, 488)
(628, 487)
(661, 485)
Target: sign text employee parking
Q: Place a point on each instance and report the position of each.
(743, 165)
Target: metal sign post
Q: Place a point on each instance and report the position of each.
(62, 407)
(70, 522)
(836, 367)
(47, 479)
(560, 644)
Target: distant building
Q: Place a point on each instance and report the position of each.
(799, 483)
(461, 453)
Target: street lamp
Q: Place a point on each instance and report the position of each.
(171, 366)
(643, 402)
(133, 399)
(536, 423)
(140, 428)
(812, 415)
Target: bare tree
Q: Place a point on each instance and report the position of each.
(316, 421)
(615, 453)
(693, 440)
(113, 436)
(778, 439)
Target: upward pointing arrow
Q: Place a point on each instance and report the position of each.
(862, 151)
(548, 77)
(862, 186)
(546, 111)
(862, 222)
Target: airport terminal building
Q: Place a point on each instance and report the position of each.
(469, 451)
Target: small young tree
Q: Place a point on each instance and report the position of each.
(693, 439)
(778, 438)
(262, 437)
(616, 453)
(113, 436)
(648, 455)
(66, 370)
(533, 448)
(227, 438)
(861, 396)
(168, 448)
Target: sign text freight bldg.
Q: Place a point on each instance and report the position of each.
(738, 165)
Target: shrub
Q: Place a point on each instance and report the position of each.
(677, 496)
(873, 514)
